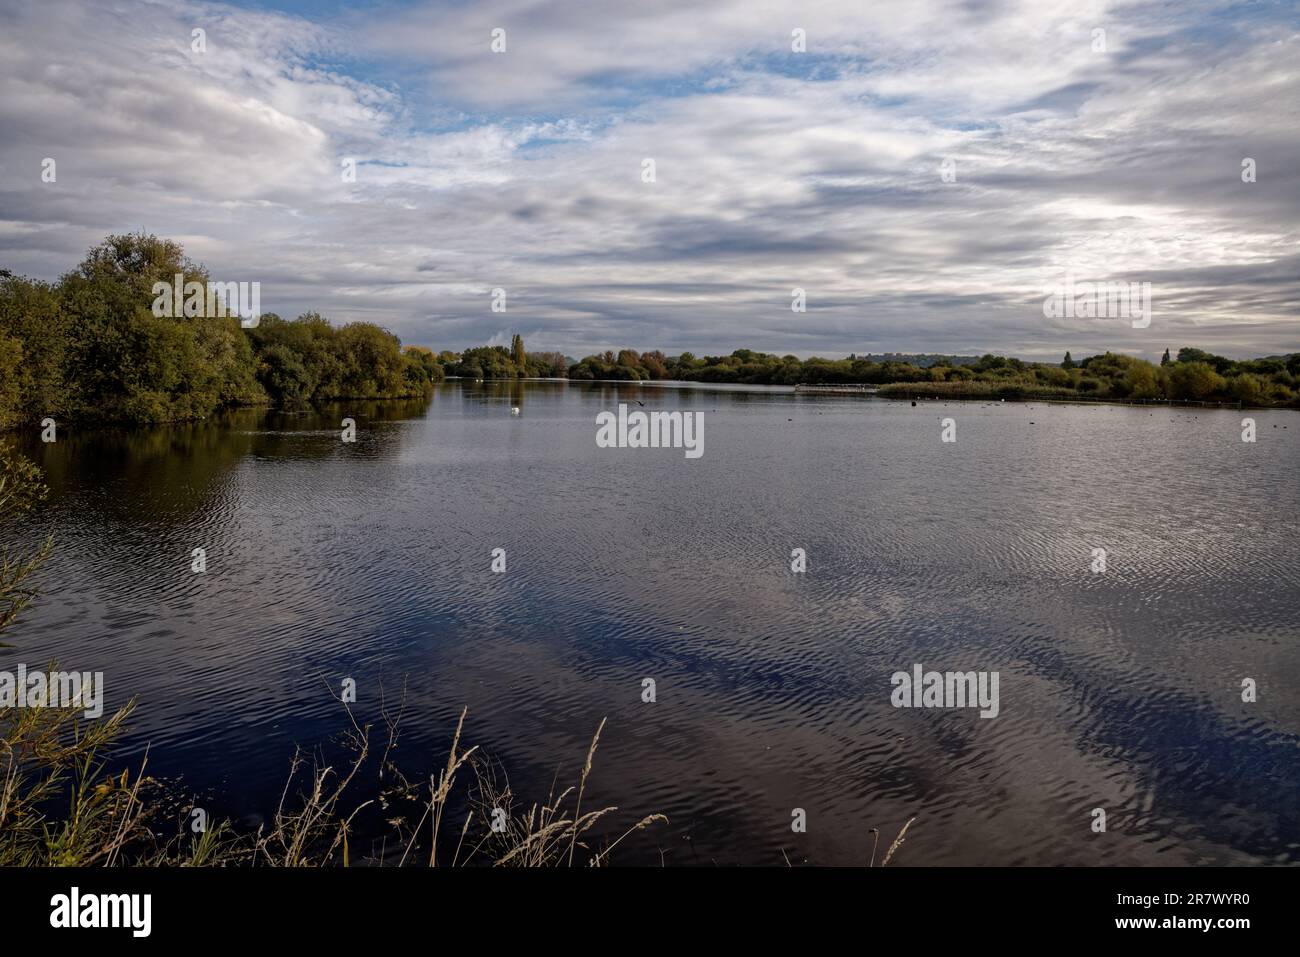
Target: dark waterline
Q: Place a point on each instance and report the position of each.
(371, 561)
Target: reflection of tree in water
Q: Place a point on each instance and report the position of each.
(175, 473)
(652, 393)
(510, 393)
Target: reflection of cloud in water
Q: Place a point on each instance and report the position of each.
(371, 561)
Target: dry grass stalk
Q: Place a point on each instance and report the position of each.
(898, 842)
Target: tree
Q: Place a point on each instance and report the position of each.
(372, 362)
(20, 491)
(655, 363)
(423, 366)
(1194, 380)
(11, 396)
(122, 362)
(91, 348)
(1141, 381)
(485, 362)
(33, 320)
(550, 364)
(1220, 364)
(1248, 389)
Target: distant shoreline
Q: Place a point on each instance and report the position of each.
(897, 391)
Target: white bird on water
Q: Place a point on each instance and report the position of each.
(514, 410)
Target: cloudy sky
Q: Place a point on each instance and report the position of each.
(773, 169)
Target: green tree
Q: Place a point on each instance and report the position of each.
(124, 363)
(1248, 389)
(371, 362)
(423, 366)
(1194, 380)
(485, 362)
(20, 491)
(1220, 364)
(1141, 381)
(33, 319)
(11, 396)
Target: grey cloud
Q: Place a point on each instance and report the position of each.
(1126, 165)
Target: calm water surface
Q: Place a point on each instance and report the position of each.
(1120, 690)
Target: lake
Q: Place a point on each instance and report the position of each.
(1119, 690)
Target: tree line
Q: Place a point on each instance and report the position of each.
(92, 347)
(1193, 375)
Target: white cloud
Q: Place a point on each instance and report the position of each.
(523, 170)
